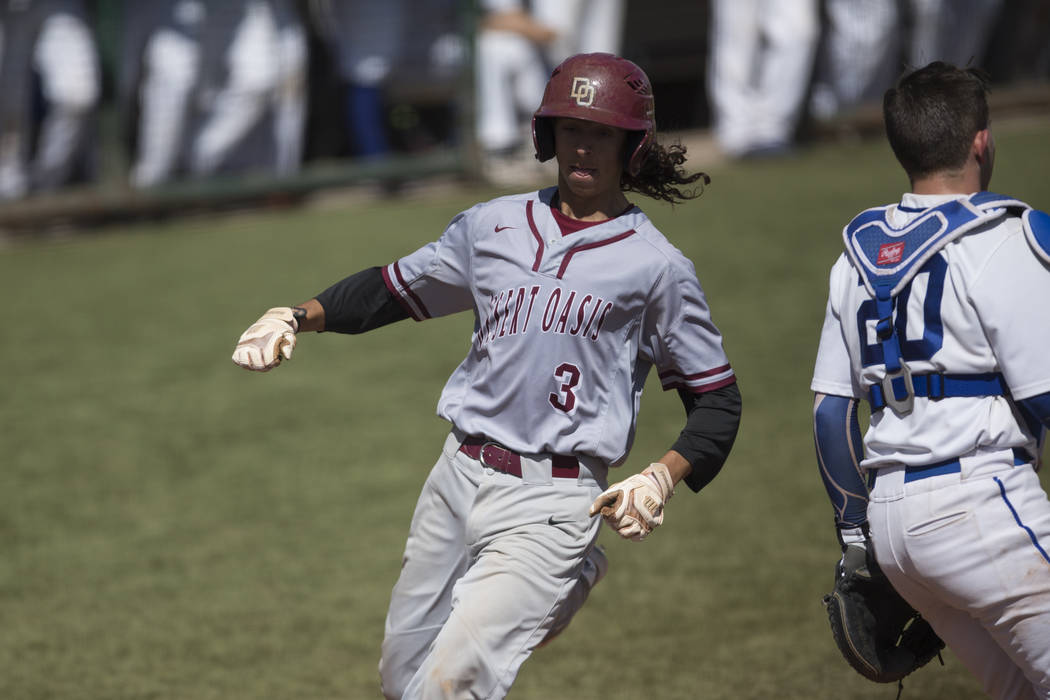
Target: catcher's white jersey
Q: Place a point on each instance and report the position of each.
(981, 305)
(566, 327)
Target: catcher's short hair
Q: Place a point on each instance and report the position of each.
(603, 88)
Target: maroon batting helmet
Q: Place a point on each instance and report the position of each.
(603, 88)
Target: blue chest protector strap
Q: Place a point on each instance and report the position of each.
(888, 258)
(938, 386)
(1037, 230)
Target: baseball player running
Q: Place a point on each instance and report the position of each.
(576, 295)
(937, 316)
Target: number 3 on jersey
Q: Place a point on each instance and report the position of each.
(569, 376)
(932, 338)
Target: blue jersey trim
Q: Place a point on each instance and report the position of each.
(952, 466)
(1017, 518)
(1037, 230)
(991, 200)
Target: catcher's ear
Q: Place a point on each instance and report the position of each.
(980, 143)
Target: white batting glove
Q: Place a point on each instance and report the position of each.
(634, 507)
(267, 341)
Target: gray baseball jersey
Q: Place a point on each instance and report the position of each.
(567, 327)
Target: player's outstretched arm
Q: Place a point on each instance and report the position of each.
(358, 303)
(272, 338)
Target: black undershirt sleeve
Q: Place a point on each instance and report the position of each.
(360, 303)
(709, 433)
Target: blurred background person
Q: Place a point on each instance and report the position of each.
(954, 31)
(160, 68)
(365, 41)
(50, 81)
(511, 73)
(253, 91)
(214, 86)
(866, 44)
(581, 26)
(518, 43)
(761, 62)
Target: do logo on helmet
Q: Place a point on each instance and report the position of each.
(582, 91)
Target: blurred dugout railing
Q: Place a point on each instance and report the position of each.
(430, 110)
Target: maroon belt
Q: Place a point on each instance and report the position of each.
(507, 461)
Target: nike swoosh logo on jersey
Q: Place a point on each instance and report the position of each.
(502, 228)
(551, 521)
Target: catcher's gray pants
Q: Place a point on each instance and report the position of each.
(970, 550)
(491, 565)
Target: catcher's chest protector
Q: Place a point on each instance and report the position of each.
(888, 258)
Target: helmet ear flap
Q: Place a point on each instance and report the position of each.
(543, 138)
(636, 148)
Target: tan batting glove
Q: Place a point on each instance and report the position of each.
(267, 341)
(634, 507)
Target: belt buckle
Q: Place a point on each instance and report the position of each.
(502, 451)
(901, 406)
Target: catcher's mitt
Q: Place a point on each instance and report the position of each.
(881, 636)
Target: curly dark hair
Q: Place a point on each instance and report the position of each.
(662, 175)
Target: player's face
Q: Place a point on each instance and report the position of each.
(590, 156)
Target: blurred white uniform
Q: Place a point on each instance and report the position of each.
(366, 39)
(170, 66)
(867, 44)
(46, 44)
(265, 73)
(211, 72)
(761, 61)
(583, 26)
(512, 70)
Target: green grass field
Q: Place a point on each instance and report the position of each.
(174, 527)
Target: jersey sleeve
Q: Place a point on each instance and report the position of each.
(680, 338)
(1010, 294)
(832, 373)
(435, 280)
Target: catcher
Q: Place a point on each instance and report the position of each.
(932, 317)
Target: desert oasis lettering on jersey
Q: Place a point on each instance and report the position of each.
(563, 311)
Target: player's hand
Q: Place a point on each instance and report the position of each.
(634, 507)
(852, 540)
(267, 341)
